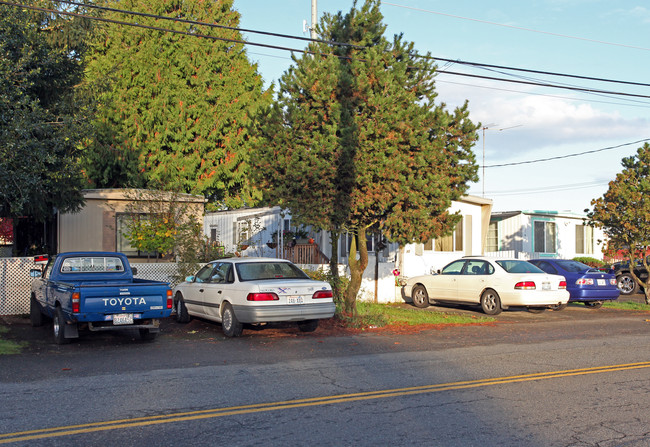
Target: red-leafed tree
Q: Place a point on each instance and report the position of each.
(623, 213)
(357, 142)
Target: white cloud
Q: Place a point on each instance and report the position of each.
(532, 123)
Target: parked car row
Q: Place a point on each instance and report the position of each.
(98, 291)
(498, 284)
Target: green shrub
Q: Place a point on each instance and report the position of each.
(591, 262)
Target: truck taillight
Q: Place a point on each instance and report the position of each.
(170, 299)
(525, 285)
(323, 294)
(75, 302)
(262, 297)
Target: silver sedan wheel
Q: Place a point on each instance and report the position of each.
(420, 296)
(490, 302)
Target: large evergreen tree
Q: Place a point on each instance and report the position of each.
(356, 141)
(40, 126)
(173, 109)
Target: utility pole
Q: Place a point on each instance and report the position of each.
(314, 18)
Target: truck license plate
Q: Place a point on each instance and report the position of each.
(294, 300)
(122, 319)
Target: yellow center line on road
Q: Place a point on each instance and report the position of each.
(68, 430)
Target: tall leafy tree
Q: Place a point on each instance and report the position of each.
(174, 109)
(357, 142)
(40, 128)
(623, 212)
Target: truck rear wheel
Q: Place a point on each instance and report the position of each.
(58, 327)
(35, 314)
(147, 334)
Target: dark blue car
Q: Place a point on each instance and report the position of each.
(585, 284)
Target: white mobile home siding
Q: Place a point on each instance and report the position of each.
(516, 233)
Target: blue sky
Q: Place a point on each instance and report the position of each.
(595, 38)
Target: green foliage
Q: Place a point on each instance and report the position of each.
(337, 282)
(157, 219)
(195, 249)
(40, 127)
(380, 315)
(625, 305)
(174, 109)
(8, 346)
(358, 127)
(623, 212)
(591, 262)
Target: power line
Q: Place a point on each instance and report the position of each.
(642, 104)
(545, 189)
(540, 84)
(278, 47)
(503, 67)
(212, 25)
(518, 27)
(154, 28)
(567, 156)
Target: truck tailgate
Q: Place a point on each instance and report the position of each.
(120, 298)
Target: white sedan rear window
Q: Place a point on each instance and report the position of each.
(250, 271)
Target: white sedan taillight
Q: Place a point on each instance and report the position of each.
(262, 297)
(526, 285)
(323, 294)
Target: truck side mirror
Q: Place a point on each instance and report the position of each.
(35, 273)
(134, 270)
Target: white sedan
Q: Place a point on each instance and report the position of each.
(235, 291)
(495, 284)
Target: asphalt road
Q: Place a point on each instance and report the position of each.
(573, 378)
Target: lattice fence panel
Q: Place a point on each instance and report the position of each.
(157, 272)
(15, 285)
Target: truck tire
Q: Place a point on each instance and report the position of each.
(147, 335)
(58, 327)
(626, 284)
(229, 323)
(35, 314)
(181, 310)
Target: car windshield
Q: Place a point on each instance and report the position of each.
(251, 271)
(515, 266)
(573, 266)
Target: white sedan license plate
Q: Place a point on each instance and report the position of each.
(546, 286)
(295, 300)
(122, 319)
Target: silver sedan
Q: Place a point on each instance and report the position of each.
(235, 291)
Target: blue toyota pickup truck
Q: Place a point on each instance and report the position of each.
(97, 291)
